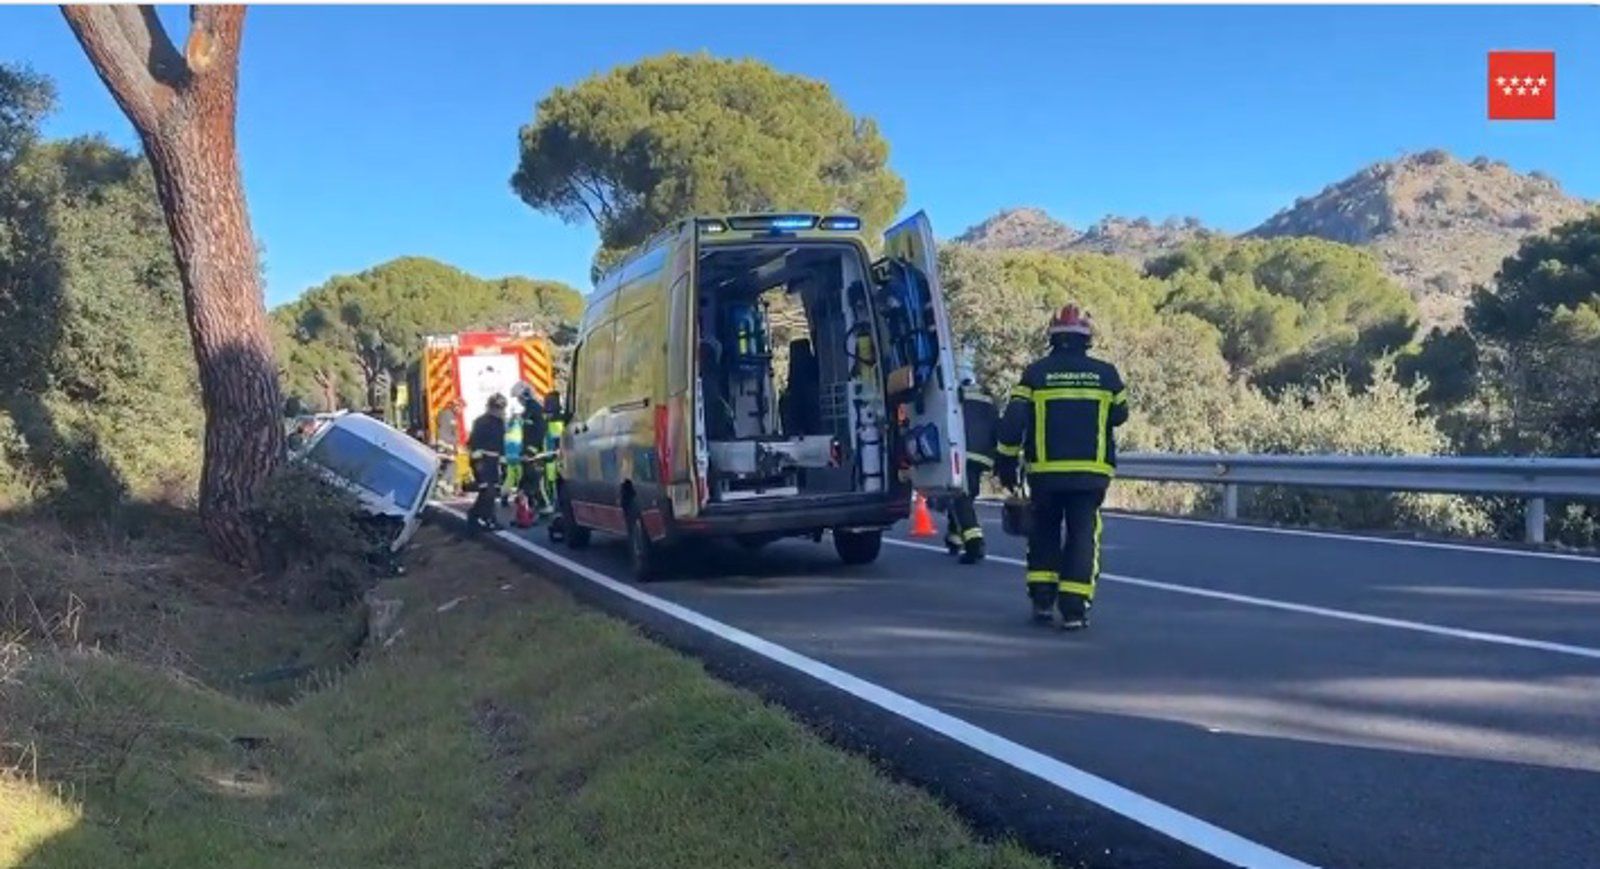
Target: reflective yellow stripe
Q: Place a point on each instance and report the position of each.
(1094, 569)
(972, 534)
(1085, 589)
(1010, 450)
(1121, 397)
(1100, 438)
(1021, 392)
(1071, 466)
(1042, 576)
(1042, 397)
(981, 459)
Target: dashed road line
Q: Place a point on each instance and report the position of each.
(1307, 609)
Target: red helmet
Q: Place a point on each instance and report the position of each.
(1072, 320)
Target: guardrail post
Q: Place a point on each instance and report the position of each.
(1230, 500)
(1533, 520)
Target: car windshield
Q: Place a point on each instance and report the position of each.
(369, 466)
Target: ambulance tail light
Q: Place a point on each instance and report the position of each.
(663, 444)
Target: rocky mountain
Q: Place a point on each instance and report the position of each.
(1137, 239)
(1020, 229)
(1439, 225)
(1140, 239)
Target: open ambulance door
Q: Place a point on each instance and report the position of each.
(680, 427)
(912, 322)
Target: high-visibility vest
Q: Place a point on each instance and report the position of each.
(513, 438)
(552, 442)
(1059, 419)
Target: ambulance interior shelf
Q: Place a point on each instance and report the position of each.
(912, 354)
(860, 364)
(782, 393)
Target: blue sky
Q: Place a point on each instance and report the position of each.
(372, 132)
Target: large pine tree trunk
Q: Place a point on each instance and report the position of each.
(183, 106)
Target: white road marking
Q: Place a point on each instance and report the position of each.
(1307, 609)
(1194, 832)
(1476, 549)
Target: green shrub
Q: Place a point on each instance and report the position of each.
(320, 543)
(1333, 418)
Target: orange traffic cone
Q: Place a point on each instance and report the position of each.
(921, 519)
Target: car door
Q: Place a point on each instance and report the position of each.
(936, 404)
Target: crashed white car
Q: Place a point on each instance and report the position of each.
(389, 471)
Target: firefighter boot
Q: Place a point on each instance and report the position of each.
(1074, 611)
(1043, 598)
(973, 551)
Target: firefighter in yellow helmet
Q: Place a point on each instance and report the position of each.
(1058, 425)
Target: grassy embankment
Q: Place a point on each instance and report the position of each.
(504, 726)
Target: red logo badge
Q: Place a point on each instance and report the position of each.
(1522, 85)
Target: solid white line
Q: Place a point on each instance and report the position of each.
(1477, 549)
(1191, 831)
(1306, 609)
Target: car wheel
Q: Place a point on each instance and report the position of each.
(644, 555)
(858, 547)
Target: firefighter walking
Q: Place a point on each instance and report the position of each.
(963, 533)
(1058, 430)
(484, 445)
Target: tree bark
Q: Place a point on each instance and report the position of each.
(183, 107)
(328, 382)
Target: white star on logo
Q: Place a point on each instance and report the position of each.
(1500, 81)
(1514, 81)
(1522, 92)
(1541, 81)
(1507, 91)
(1535, 91)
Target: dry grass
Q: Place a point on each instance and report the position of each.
(504, 726)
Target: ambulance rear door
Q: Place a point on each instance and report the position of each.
(933, 440)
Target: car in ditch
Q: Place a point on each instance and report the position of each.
(388, 471)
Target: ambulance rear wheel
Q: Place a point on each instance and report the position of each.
(576, 535)
(858, 547)
(644, 555)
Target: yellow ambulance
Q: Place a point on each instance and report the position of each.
(760, 376)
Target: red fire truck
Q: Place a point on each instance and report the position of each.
(452, 382)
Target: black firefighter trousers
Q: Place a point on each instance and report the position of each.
(486, 477)
(962, 530)
(1064, 573)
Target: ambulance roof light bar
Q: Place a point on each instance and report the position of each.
(779, 224)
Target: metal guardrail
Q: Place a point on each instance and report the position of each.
(1534, 479)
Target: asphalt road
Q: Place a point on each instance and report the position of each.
(1351, 703)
